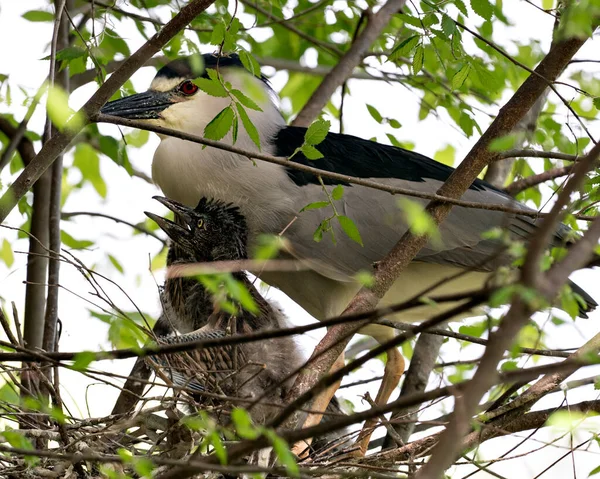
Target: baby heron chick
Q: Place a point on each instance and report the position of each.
(215, 231)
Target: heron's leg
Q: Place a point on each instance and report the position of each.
(319, 405)
(394, 369)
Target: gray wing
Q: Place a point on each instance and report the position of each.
(381, 223)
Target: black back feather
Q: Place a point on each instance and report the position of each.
(353, 156)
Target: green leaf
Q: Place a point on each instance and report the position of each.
(283, 453)
(220, 125)
(317, 132)
(394, 123)
(124, 334)
(83, 360)
(137, 138)
(217, 444)
(318, 234)
(337, 192)
(483, 8)
(38, 16)
(8, 395)
(594, 471)
(68, 54)
(58, 415)
(59, 111)
(445, 155)
(315, 206)
(244, 100)
(311, 152)
(17, 440)
(268, 246)
(503, 143)
(6, 253)
(365, 278)
(460, 76)
(417, 64)
(71, 242)
(116, 263)
(87, 161)
(249, 62)
(568, 420)
(240, 293)
(404, 47)
(430, 19)
(212, 87)
(597, 102)
(461, 7)
(410, 20)
(448, 25)
(143, 466)
(243, 424)
(350, 229)
(249, 126)
(418, 219)
(374, 113)
(218, 34)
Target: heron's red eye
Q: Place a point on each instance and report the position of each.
(188, 88)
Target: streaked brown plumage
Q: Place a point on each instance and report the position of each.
(215, 231)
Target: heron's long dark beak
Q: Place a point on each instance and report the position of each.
(141, 106)
(175, 231)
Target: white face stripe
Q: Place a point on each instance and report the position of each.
(165, 84)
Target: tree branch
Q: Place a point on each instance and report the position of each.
(517, 186)
(352, 58)
(422, 364)
(101, 118)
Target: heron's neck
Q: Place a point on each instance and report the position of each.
(186, 172)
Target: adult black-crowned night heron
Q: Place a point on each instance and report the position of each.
(260, 370)
(271, 196)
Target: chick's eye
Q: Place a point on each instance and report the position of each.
(200, 223)
(188, 88)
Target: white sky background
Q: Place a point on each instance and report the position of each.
(24, 44)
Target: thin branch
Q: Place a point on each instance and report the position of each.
(473, 339)
(60, 40)
(102, 118)
(527, 153)
(327, 47)
(138, 227)
(30, 355)
(517, 186)
(422, 364)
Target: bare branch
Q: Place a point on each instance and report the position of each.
(31, 355)
(138, 227)
(517, 186)
(527, 153)
(422, 364)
